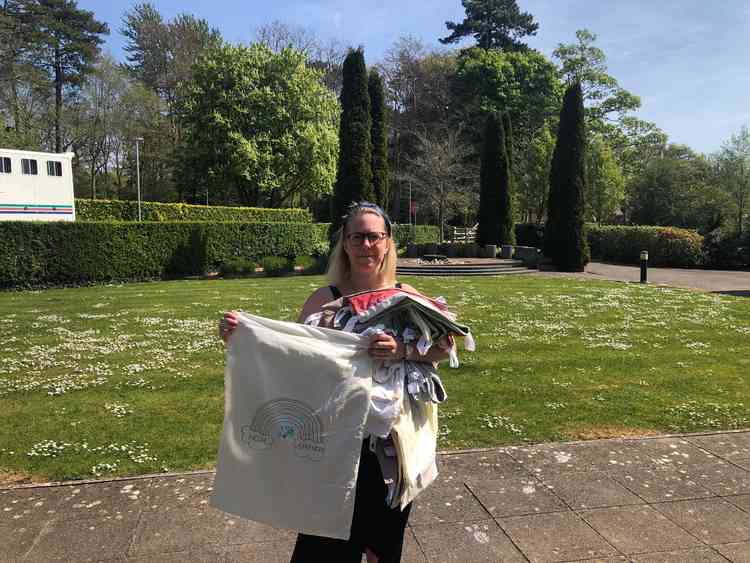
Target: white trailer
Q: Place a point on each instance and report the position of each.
(36, 186)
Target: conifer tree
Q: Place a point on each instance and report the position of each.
(564, 233)
(379, 140)
(495, 212)
(354, 173)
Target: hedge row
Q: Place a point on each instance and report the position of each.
(61, 253)
(666, 246)
(114, 210)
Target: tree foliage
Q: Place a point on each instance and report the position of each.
(605, 185)
(524, 84)
(354, 173)
(379, 139)
(259, 128)
(495, 199)
(494, 24)
(675, 189)
(564, 234)
(733, 172)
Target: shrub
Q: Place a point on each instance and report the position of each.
(666, 246)
(275, 265)
(305, 262)
(237, 266)
(726, 251)
(114, 210)
(62, 253)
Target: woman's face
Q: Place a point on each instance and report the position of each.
(365, 256)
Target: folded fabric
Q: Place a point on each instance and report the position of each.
(296, 401)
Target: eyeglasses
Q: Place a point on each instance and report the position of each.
(358, 239)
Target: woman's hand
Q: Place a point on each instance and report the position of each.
(227, 325)
(385, 347)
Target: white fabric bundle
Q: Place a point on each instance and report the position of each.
(296, 401)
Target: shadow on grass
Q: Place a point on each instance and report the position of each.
(736, 293)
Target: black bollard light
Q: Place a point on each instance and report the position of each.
(644, 266)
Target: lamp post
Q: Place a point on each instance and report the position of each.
(138, 173)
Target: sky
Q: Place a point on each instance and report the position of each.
(686, 59)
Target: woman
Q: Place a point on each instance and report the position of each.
(364, 258)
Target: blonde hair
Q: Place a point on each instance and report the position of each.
(339, 268)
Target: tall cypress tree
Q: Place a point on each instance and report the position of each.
(354, 173)
(507, 227)
(495, 213)
(564, 234)
(379, 140)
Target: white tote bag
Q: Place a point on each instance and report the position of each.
(296, 401)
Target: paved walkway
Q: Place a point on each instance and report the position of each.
(721, 281)
(658, 499)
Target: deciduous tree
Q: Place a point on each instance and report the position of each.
(259, 127)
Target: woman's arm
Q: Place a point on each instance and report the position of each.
(315, 302)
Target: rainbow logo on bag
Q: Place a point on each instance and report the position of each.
(288, 420)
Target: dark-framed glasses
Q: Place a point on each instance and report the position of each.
(358, 239)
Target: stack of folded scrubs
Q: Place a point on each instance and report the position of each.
(402, 420)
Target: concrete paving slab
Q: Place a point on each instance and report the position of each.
(723, 478)
(482, 465)
(691, 556)
(743, 463)
(740, 501)
(201, 555)
(558, 536)
(467, 542)
(446, 502)
(597, 455)
(594, 489)
(638, 529)
(164, 532)
(19, 506)
(672, 451)
(738, 552)
(735, 445)
(103, 499)
(273, 552)
(179, 492)
(412, 552)
(711, 520)
(656, 484)
(17, 540)
(90, 539)
(515, 496)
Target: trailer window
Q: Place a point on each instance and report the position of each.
(54, 168)
(28, 166)
(5, 165)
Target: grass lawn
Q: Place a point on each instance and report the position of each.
(128, 379)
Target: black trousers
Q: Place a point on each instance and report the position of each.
(374, 525)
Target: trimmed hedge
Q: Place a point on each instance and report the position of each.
(62, 253)
(114, 210)
(667, 246)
